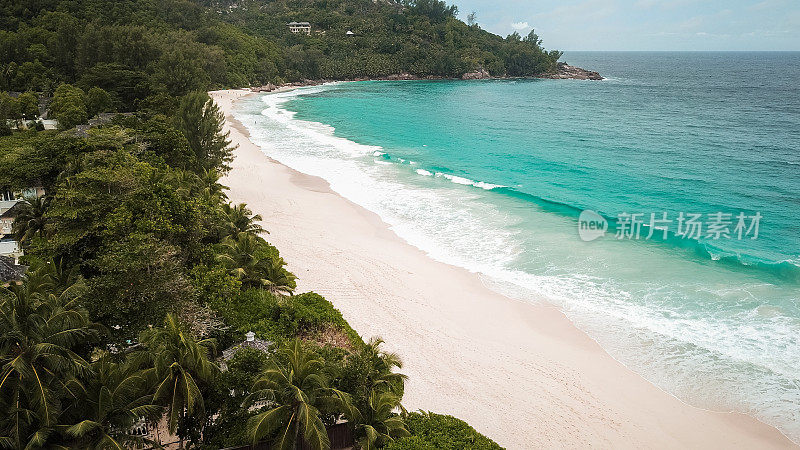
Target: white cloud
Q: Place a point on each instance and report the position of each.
(519, 26)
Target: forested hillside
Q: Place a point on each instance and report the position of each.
(135, 49)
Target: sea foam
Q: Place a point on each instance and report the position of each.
(721, 359)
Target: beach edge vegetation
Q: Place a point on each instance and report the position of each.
(140, 272)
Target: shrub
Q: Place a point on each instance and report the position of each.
(277, 318)
(431, 431)
(214, 285)
(308, 315)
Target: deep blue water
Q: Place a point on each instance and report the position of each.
(492, 176)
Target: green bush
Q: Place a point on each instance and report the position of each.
(214, 285)
(277, 318)
(431, 431)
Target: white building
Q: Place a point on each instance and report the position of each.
(9, 199)
(300, 27)
(10, 248)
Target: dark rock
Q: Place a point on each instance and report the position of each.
(564, 71)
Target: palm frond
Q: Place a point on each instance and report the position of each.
(264, 424)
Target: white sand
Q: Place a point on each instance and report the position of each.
(519, 373)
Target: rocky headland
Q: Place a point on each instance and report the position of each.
(563, 72)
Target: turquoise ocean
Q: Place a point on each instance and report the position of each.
(492, 175)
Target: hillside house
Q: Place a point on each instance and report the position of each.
(300, 27)
(9, 201)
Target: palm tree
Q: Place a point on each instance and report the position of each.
(176, 363)
(213, 189)
(295, 386)
(376, 424)
(57, 273)
(204, 185)
(248, 258)
(38, 368)
(276, 278)
(372, 369)
(187, 182)
(241, 256)
(381, 367)
(239, 219)
(116, 397)
(30, 220)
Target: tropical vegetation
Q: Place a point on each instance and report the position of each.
(141, 271)
(429, 431)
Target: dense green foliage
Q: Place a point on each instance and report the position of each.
(278, 318)
(52, 392)
(431, 431)
(141, 52)
(420, 37)
(141, 270)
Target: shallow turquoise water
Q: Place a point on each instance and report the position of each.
(492, 176)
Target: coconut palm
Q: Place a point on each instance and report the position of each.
(39, 368)
(30, 220)
(376, 424)
(370, 368)
(240, 220)
(213, 189)
(276, 278)
(248, 257)
(243, 256)
(187, 182)
(176, 363)
(295, 386)
(382, 365)
(56, 273)
(116, 398)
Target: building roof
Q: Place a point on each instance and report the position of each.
(11, 212)
(10, 271)
(299, 24)
(251, 342)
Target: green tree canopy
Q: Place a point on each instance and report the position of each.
(201, 121)
(69, 106)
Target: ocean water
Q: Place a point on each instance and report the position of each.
(492, 176)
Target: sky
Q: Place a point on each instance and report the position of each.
(701, 25)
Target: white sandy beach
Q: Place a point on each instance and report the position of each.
(520, 373)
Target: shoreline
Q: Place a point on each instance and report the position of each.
(490, 360)
(564, 72)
